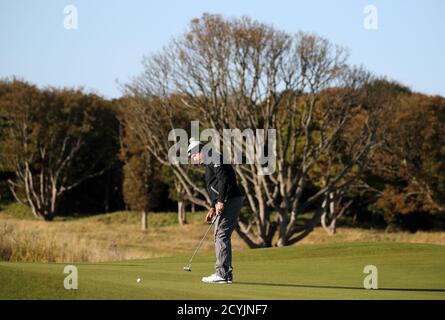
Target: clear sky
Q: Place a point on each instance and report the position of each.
(113, 35)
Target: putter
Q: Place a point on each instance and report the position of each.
(188, 268)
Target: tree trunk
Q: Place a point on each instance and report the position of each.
(328, 208)
(330, 229)
(284, 220)
(331, 211)
(182, 219)
(107, 192)
(248, 238)
(144, 221)
(333, 226)
(308, 228)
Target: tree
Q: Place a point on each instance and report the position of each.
(411, 161)
(177, 192)
(242, 74)
(150, 118)
(54, 141)
(141, 178)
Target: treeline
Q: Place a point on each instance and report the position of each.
(63, 153)
(70, 144)
(350, 145)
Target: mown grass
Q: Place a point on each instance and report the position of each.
(325, 271)
(111, 252)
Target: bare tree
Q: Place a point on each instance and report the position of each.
(242, 74)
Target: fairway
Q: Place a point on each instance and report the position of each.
(332, 271)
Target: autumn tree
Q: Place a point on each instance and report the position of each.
(54, 141)
(142, 184)
(239, 73)
(150, 118)
(410, 163)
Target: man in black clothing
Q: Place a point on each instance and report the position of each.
(227, 200)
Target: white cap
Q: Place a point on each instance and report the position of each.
(193, 143)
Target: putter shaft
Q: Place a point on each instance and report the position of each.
(201, 241)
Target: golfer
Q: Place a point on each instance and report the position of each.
(227, 200)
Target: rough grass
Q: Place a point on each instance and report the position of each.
(108, 237)
(347, 234)
(16, 211)
(116, 236)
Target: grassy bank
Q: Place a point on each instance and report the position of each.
(116, 236)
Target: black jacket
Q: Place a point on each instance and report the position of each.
(221, 182)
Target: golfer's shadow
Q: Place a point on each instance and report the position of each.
(333, 287)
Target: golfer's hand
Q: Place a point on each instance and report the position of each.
(210, 215)
(219, 207)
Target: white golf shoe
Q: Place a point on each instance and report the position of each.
(214, 278)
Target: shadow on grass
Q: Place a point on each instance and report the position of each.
(334, 287)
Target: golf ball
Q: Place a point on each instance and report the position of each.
(139, 280)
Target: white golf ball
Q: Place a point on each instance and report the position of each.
(139, 280)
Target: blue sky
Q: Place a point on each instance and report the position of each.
(112, 36)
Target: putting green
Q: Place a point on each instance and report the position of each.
(330, 271)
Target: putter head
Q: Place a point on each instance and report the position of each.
(188, 269)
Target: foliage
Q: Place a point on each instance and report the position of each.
(54, 141)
